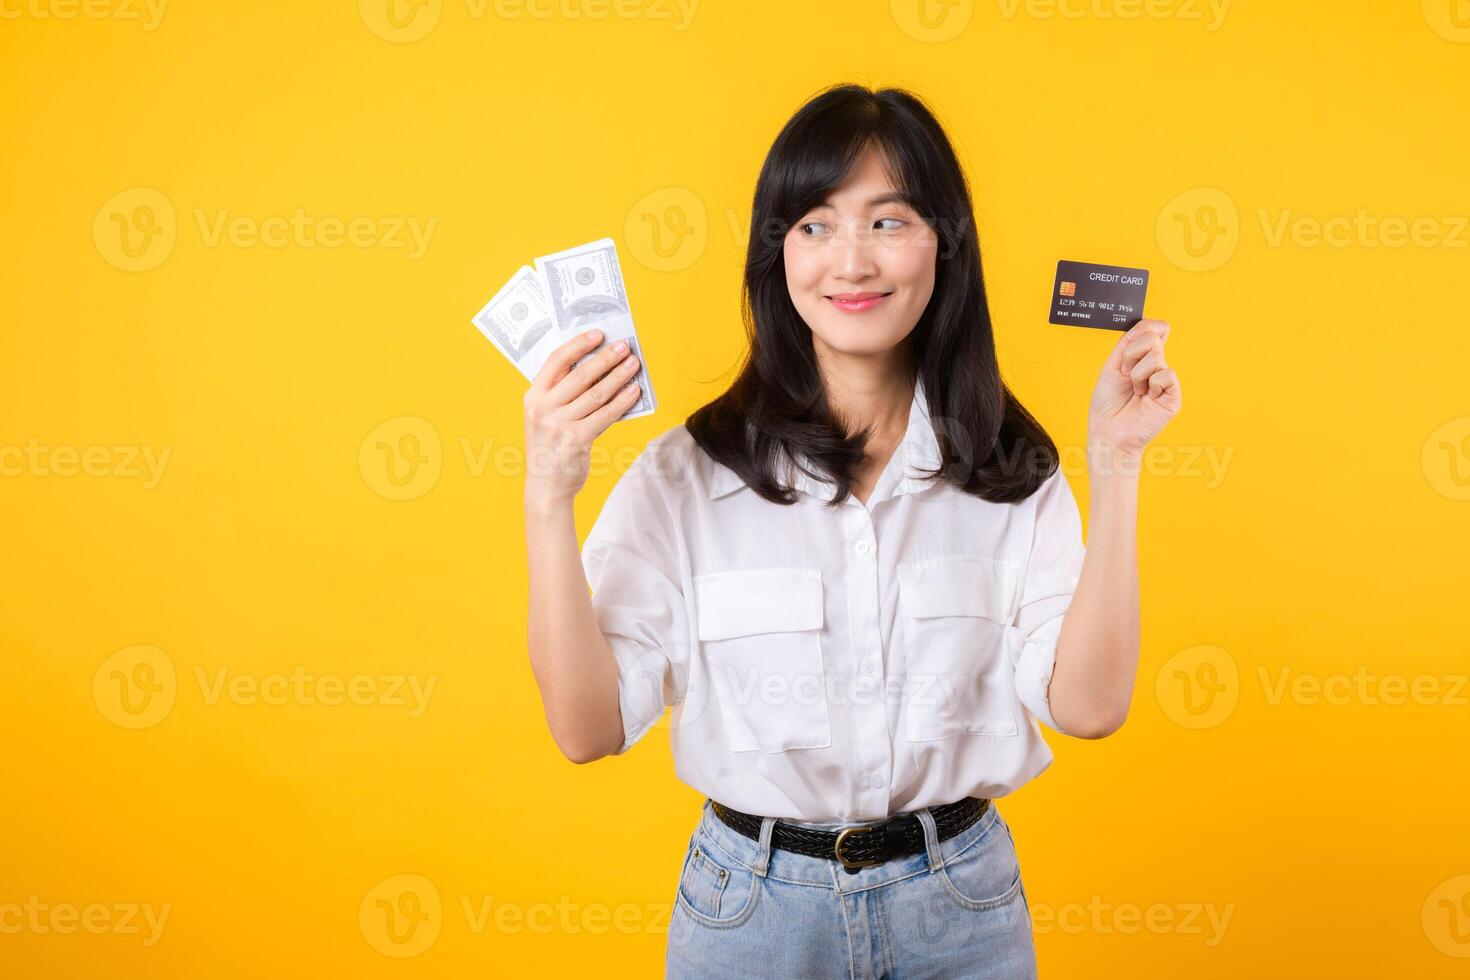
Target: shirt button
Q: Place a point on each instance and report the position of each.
(875, 781)
(869, 666)
(863, 547)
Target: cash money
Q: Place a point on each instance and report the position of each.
(568, 292)
(517, 318)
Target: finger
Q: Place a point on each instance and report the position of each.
(1164, 387)
(596, 396)
(1138, 349)
(1162, 380)
(1115, 356)
(560, 360)
(1144, 369)
(1157, 327)
(609, 413)
(1132, 336)
(583, 375)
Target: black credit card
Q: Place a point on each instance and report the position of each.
(1090, 295)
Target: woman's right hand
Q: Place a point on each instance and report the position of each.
(567, 408)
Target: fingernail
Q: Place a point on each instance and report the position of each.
(592, 334)
(620, 346)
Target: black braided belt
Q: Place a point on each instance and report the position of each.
(862, 846)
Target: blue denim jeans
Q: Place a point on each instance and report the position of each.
(747, 911)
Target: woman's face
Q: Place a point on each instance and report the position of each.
(861, 268)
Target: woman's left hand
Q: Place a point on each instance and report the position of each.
(1136, 395)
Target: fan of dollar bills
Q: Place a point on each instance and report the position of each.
(566, 293)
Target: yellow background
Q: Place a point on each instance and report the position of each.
(1326, 540)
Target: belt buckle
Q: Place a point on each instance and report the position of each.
(842, 836)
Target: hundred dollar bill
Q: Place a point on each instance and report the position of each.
(517, 318)
(584, 289)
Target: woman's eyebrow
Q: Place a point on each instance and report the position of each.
(892, 197)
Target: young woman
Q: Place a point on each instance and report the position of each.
(858, 575)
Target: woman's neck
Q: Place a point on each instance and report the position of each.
(868, 394)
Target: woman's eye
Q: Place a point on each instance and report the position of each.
(893, 224)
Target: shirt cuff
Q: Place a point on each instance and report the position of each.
(1036, 660)
(641, 679)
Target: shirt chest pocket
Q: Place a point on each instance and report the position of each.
(760, 632)
(956, 614)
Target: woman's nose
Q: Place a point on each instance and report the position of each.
(853, 250)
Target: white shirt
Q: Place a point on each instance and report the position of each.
(834, 665)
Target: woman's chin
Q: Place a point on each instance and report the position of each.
(857, 340)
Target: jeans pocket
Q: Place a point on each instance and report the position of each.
(713, 889)
(986, 874)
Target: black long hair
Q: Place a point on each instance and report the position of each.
(990, 445)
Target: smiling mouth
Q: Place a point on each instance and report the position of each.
(857, 302)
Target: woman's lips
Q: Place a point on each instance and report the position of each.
(857, 302)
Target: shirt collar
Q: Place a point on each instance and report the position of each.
(919, 448)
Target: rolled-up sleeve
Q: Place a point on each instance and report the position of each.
(1052, 572)
(633, 569)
